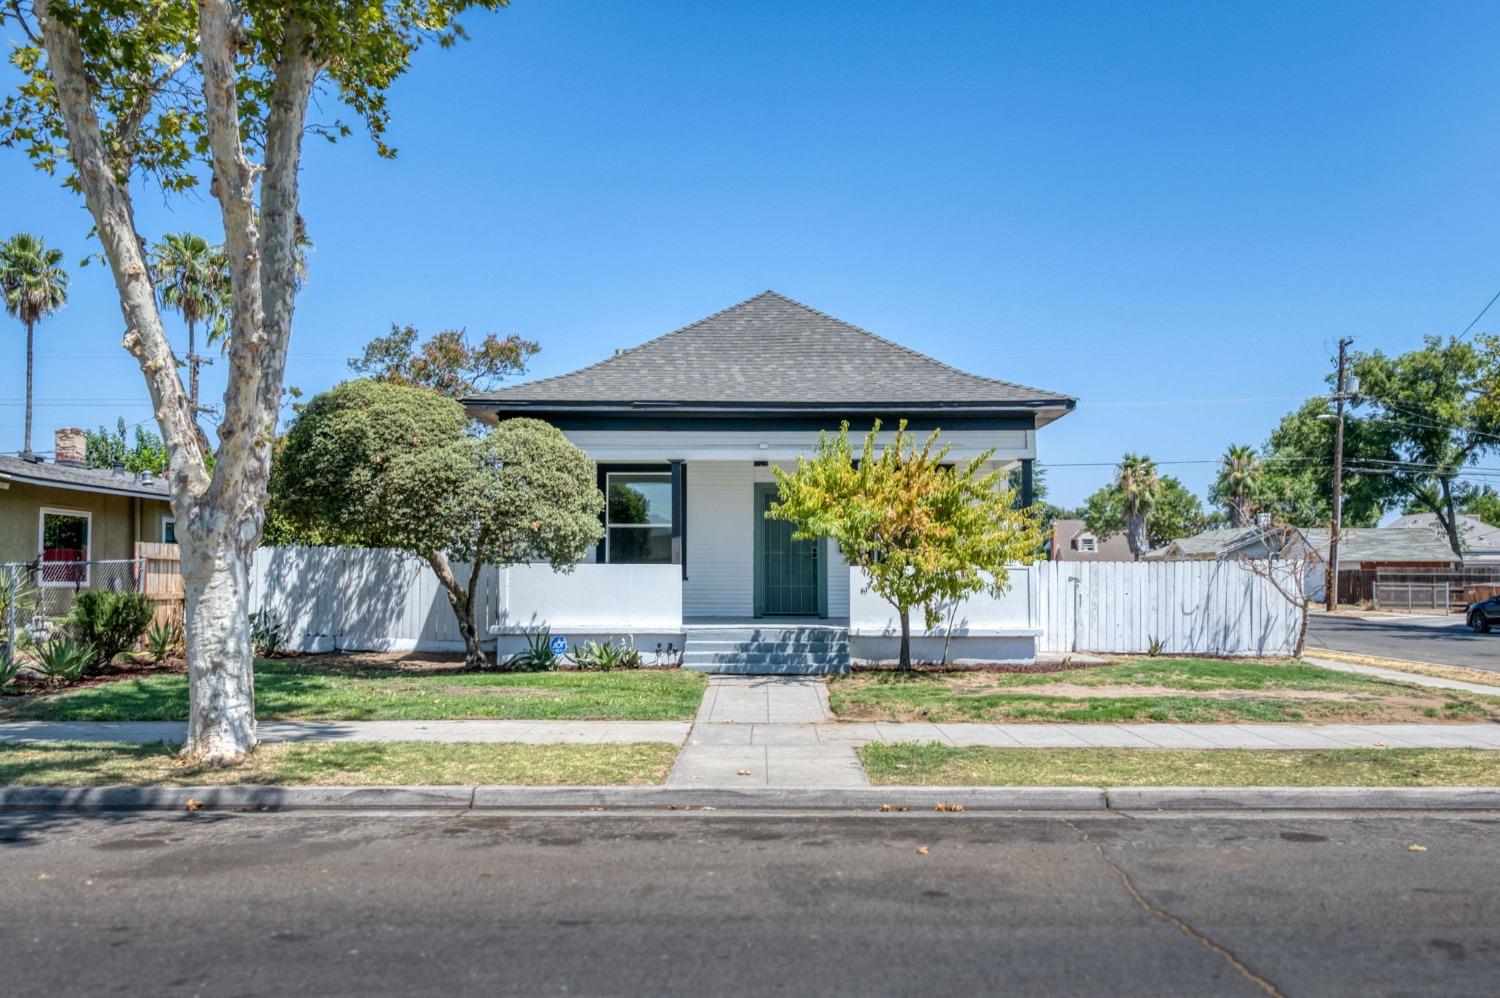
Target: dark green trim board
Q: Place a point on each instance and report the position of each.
(679, 513)
(762, 526)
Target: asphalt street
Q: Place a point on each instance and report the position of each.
(1440, 640)
(705, 903)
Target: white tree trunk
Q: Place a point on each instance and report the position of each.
(219, 514)
(221, 687)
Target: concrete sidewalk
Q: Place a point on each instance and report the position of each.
(1396, 675)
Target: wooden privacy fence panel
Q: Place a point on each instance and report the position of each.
(160, 568)
(363, 599)
(1191, 607)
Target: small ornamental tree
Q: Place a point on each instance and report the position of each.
(924, 533)
(380, 464)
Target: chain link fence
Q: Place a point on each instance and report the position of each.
(36, 596)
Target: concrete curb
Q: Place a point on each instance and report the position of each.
(1303, 798)
(864, 799)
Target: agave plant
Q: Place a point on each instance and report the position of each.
(607, 657)
(537, 656)
(267, 637)
(163, 639)
(62, 659)
(10, 667)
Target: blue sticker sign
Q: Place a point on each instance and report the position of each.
(559, 645)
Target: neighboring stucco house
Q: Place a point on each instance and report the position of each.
(1072, 540)
(63, 512)
(686, 429)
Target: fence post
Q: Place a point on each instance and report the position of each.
(14, 581)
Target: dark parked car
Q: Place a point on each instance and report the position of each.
(1484, 614)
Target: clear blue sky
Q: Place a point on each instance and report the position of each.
(1171, 211)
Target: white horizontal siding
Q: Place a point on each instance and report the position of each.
(608, 446)
(721, 542)
(720, 539)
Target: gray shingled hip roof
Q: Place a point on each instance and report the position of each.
(771, 352)
(62, 476)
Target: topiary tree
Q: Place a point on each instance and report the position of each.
(382, 464)
(925, 533)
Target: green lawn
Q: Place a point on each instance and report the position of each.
(304, 689)
(1153, 689)
(947, 766)
(92, 764)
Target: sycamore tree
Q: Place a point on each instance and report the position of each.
(379, 464)
(132, 93)
(925, 535)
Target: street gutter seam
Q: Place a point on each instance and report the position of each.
(1182, 925)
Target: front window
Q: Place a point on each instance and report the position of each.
(639, 518)
(64, 547)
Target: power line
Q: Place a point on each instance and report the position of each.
(1471, 325)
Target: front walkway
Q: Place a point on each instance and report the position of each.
(762, 731)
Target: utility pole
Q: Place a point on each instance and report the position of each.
(194, 362)
(1331, 584)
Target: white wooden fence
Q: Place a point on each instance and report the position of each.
(361, 599)
(1202, 607)
(350, 599)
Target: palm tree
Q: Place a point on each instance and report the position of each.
(34, 286)
(189, 274)
(1238, 483)
(1139, 487)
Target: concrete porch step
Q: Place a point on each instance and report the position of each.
(819, 667)
(767, 650)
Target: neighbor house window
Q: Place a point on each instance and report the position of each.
(1088, 544)
(638, 520)
(168, 530)
(64, 544)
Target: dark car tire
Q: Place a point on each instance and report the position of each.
(1479, 622)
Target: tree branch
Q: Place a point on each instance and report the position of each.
(129, 125)
(109, 204)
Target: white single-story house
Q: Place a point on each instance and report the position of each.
(686, 430)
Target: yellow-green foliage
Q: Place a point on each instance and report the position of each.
(927, 534)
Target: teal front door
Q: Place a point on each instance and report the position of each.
(788, 572)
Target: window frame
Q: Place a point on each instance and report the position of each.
(161, 529)
(655, 472)
(41, 549)
(1087, 544)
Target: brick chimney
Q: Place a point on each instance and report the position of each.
(70, 447)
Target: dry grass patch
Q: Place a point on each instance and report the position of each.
(945, 765)
(93, 764)
(1155, 689)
